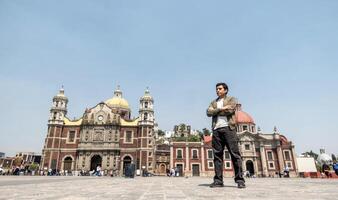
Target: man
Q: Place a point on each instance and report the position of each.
(222, 111)
(335, 168)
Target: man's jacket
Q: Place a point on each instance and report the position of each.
(213, 111)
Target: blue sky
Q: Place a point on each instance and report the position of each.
(279, 59)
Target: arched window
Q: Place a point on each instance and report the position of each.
(146, 104)
(145, 116)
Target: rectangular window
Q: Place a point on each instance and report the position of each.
(271, 165)
(71, 136)
(227, 165)
(179, 154)
(210, 164)
(128, 136)
(289, 164)
(226, 155)
(287, 155)
(247, 147)
(210, 154)
(245, 128)
(194, 154)
(270, 156)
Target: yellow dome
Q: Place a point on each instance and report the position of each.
(117, 102)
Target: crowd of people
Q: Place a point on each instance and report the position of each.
(173, 172)
(326, 170)
(18, 170)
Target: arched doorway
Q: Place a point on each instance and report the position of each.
(95, 161)
(250, 167)
(126, 163)
(162, 168)
(67, 164)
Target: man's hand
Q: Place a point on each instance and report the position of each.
(226, 108)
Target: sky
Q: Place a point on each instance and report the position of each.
(279, 59)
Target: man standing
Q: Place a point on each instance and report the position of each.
(222, 111)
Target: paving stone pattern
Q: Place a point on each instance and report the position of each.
(151, 188)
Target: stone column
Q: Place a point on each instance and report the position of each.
(294, 158)
(264, 162)
(280, 158)
(186, 168)
(254, 160)
(171, 156)
(203, 157)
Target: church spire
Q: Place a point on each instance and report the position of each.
(118, 92)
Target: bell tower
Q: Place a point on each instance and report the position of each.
(146, 111)
(146, 126)
(59, 108)
(58, 111)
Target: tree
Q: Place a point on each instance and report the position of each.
(312, 154)
(160, 132)
(194, 138)
(33, 166)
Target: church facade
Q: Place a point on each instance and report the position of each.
(104, 136)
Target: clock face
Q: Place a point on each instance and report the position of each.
(100, 118)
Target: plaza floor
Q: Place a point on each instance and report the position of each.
(73, 188)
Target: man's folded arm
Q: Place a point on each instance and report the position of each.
(230, 108)
(211, 111)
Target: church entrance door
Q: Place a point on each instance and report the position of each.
(95, 161)
(250, 167)
(126, 163)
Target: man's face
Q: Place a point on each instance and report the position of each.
(221, 91)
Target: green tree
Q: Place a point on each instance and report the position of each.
(33, 166)
(312, 154)
(194, 138)
(160, 132)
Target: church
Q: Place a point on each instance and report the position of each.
(105, 136)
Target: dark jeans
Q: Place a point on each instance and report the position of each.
(226, 137)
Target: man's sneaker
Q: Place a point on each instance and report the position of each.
(213, 185)
(240, 184)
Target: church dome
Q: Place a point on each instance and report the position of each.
(117, 101)
(243, 117)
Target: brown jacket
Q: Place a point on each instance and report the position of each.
(213, 111)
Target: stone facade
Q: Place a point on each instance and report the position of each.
(104, 136)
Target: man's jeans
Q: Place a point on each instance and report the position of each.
(226, 137)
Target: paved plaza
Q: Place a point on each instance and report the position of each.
(74, 188)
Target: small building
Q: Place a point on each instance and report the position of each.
(307, 167)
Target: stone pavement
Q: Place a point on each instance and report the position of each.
(73, 188)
